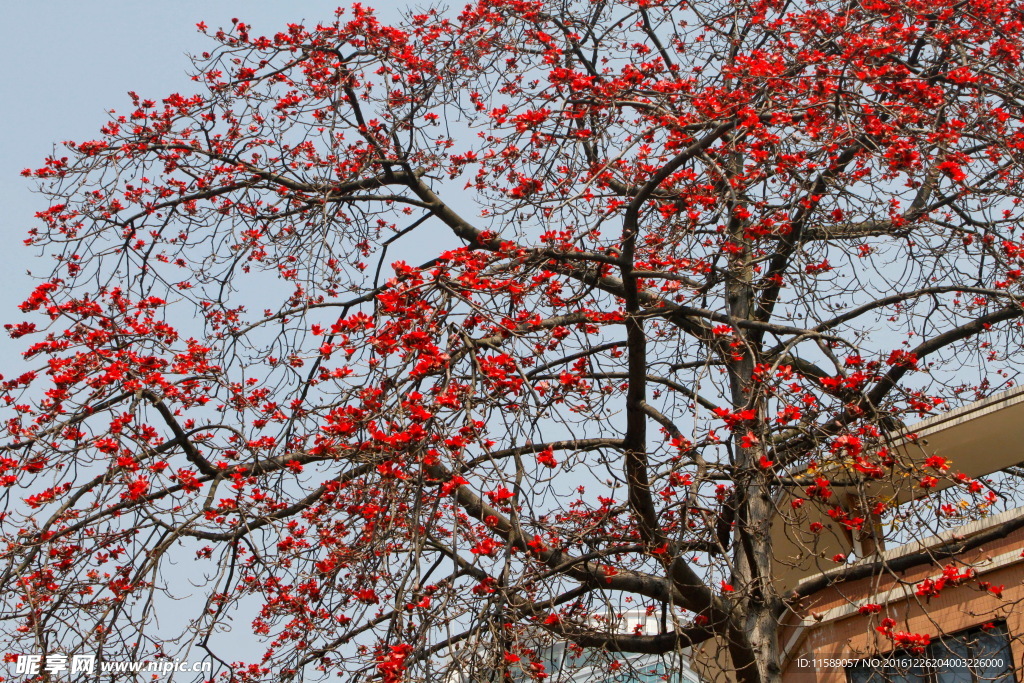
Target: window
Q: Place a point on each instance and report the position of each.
(977, 655)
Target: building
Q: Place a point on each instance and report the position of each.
(565, 668)
(955, 617)
(561, 664)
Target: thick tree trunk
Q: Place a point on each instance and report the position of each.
(756, 654)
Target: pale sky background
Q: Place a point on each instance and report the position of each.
(66, 63)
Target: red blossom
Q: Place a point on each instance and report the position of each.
(547, 458)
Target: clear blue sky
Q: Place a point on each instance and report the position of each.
(67, 62)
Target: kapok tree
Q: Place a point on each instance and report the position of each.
(407, 351)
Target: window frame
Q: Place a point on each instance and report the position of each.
(930, 674)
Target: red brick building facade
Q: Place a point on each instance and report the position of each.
(842, 622)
